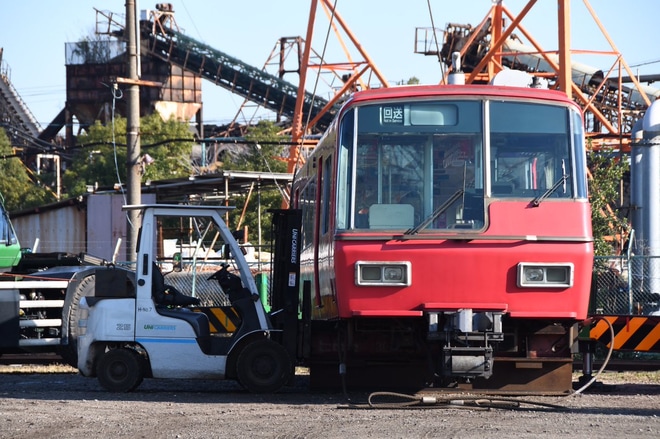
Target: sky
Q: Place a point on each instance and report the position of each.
(33, 34)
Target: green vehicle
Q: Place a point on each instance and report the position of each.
(10, 248)
(39, 295)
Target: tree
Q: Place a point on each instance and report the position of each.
(16, 186)
(607, 171)
(262, 152)
(92, 50)
(413, 80)
(101, 159)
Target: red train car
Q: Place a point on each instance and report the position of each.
(446, 239)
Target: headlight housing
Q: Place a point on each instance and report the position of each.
(383, 273)
(546, 275)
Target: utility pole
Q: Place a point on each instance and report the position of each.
(133, 183)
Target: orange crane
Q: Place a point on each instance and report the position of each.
(354, 70)
(609, 107)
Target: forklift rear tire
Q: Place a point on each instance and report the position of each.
(264, 367)
(69, 352)
(120, 370)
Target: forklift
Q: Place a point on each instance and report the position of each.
(144, 326)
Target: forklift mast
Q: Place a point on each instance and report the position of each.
(285, 280)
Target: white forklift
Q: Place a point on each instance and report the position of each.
(144, 327)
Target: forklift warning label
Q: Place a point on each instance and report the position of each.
(160, 327)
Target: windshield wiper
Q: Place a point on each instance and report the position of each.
(536, 201)
(436, 213)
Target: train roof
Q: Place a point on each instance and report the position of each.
(458, 90)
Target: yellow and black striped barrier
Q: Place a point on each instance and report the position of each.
(222, 319)
(631, 333)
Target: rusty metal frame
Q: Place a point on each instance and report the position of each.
(491, 64)
(356, 68)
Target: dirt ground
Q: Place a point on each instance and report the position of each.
(67, 405)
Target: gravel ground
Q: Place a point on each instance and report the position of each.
(67, 405)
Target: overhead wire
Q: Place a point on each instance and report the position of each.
(321, 60)
(282, 192)
(117, 94)
(646, 63)
(318, 76)
(62, 151)
(316, 82)
(435, 39)
(34, 142)
(191, 19)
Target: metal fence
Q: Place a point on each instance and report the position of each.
(621, 285)
(626, 285)
(195, 281)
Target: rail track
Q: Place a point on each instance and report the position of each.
(30, 358)
(614, 365)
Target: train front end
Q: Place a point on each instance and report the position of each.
(454, 232)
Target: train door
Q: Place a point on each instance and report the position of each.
(317, 234)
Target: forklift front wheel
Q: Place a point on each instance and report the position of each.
(120, 370)
(264, 367)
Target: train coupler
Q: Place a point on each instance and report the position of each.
(467, 362)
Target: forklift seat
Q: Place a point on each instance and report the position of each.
(166, 294)
(198, 320)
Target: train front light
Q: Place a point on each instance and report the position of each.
(548, 275)
(382, 273)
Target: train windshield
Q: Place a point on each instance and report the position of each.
(430, 165)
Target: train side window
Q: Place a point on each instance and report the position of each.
(296, 199)
(308, 197)
(344, 186)
(325, 194)
(579, 152)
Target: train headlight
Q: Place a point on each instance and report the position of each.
(382, 273)
(549, 275)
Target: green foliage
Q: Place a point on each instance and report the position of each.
(98, 163)
(261, 153)
(266, 157)
(413, 80)
(92, 50)
(16, 186)
(270, 199)
(607, 170)
(174, 146)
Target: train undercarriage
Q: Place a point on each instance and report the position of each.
(520, 356)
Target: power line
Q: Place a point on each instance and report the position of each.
(646, 63)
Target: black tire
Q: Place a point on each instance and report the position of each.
(69, 352)
(120, 370)
(264, 367)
